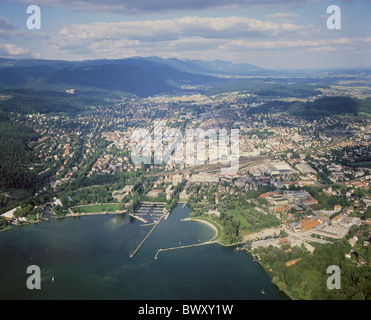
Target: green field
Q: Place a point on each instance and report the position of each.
(97, 208)
(237, 215)
(366, 114)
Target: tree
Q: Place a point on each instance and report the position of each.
(3, 222)
(358, 296)
(282, 286)
(312, 279)
(275, 280)
(58, 210)
(283, 233)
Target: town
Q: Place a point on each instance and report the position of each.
(300, 181)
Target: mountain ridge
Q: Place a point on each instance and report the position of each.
(136, 75)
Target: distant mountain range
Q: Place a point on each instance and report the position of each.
(139, 76)
(152, 76)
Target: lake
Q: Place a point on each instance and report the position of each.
(88, 258)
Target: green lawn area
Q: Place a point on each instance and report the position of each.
(97, 208)
(366, 114)
(31, 217)
(237, 215)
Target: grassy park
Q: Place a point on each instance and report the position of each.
(96, 208)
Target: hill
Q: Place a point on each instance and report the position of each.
(266, 87)
(33, 101)
(216, 67)
(138, 76)
(15, 155)
(320, 107)
(139, 79)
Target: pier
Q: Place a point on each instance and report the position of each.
(153, 228)
(159, 204)
(183, 247)
(167, 213)
(139, 218)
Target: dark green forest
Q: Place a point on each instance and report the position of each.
(318, 108)
(307, 279)
(27, 101)
(266, 88)
(15, 155)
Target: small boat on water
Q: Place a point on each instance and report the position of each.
(263, 291)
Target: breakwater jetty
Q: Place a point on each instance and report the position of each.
(183, 247)
(137, 217)
(153, 228)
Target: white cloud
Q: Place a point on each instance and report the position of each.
(322, 49)
(9, 30)
(174, 28)
(130, 33)
(284, 44)
(10, 49)
(283, 16)
(194, 38)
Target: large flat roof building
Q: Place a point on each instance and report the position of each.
(333, 231)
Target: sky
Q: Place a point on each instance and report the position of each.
(273, 34)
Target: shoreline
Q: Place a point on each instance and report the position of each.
(53, 216)
(259, 233)
(270, 274)
(92, 213)
(216, 233)
(205, 222)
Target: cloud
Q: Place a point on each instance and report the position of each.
(10, 50)
(322, 49)
(147, 6)
(6, 25)
(9, 30)
(172, 30)
(313, 45)
(283, 16)
(192, 36)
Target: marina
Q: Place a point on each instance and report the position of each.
(153, 212)
(149, 212)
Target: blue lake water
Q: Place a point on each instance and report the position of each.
(88, 257)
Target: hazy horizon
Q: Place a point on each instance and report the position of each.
(268, 34)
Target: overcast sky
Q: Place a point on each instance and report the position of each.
(273, 34)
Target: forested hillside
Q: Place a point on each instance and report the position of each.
(33, 101)
(320, 107)
(15, 156)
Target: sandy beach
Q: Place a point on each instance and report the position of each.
(207, 223)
